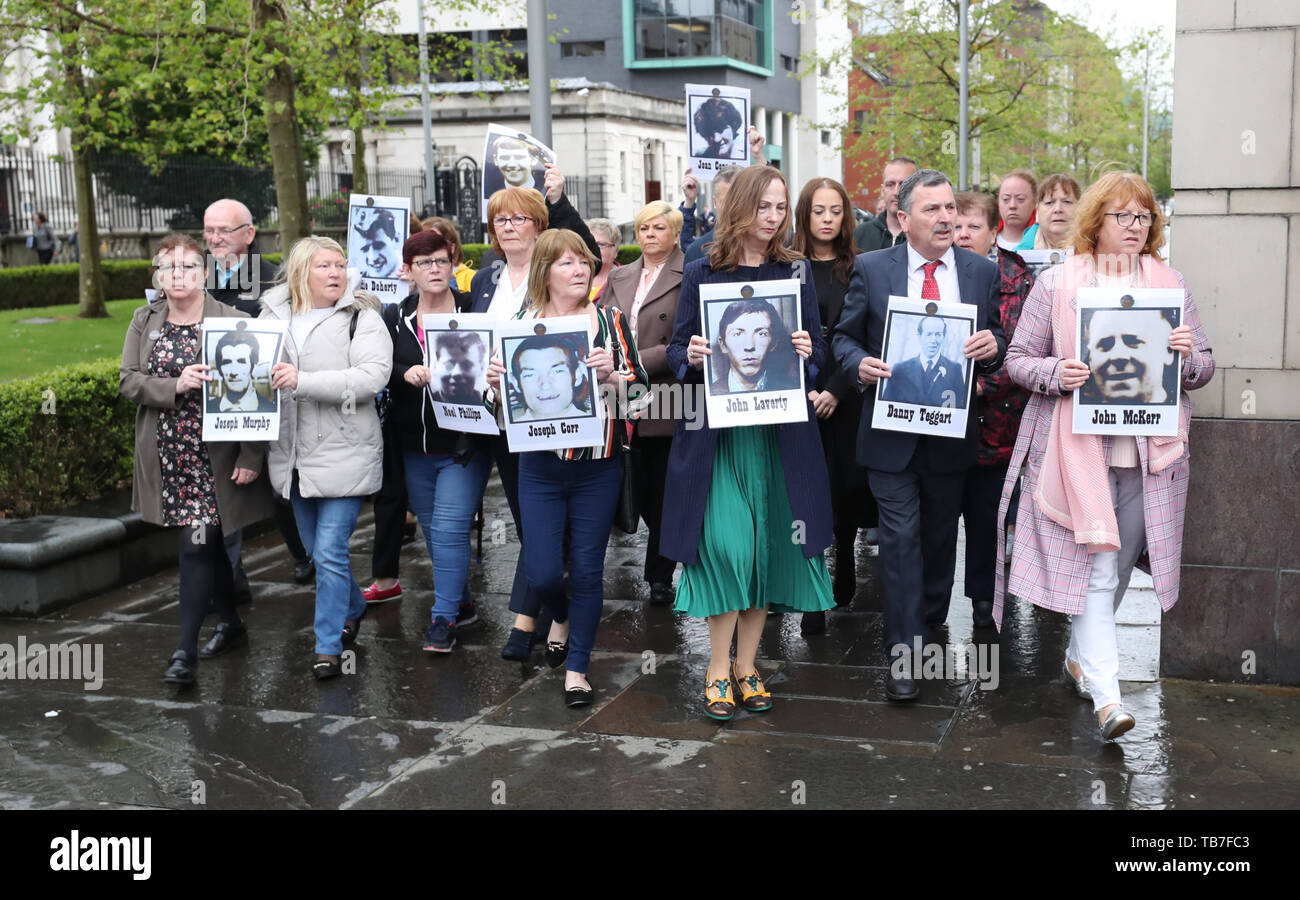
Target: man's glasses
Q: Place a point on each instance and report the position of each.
(426, 264)
(227, 232)
(517, 221)
(1125, 219)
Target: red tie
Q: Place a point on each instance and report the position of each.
(930, 287)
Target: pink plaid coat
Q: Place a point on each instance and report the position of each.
(1047, 567)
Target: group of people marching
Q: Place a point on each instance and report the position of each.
(1072, 514)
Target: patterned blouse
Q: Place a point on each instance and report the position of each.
(189, 494)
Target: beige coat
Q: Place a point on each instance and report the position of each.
(654, 327)
(329, 429)
(237, 505)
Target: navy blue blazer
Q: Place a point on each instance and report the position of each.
(861, 332)
(690, 462)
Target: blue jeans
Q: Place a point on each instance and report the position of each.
(325, 525)
(580, 494)
(444, 496)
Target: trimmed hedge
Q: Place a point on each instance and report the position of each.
(24, 287)
(66, 436)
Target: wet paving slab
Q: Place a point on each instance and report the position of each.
(994, 727)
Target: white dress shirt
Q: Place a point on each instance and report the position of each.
(945, 274)
(507, 299)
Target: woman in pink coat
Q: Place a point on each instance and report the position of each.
(1090, 506)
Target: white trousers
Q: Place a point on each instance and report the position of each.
(1093, 643)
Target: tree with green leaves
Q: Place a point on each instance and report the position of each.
(1044, 92)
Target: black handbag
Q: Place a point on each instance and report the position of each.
(627, 514)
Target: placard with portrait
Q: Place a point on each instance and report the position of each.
(512, 158)
(717, 127)
(551, 400)
(1123, 338)
(377, 229)
(929, 387)
(752, 375)
(457, 349)
(239, 403)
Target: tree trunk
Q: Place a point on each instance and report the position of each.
(360, 181)
(282, 129)
(90, 280)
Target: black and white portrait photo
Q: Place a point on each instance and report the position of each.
(240, 403)
(377, 229)
(931, 369)
(457, 349)
(512, 158)
(929, 385)
(717, 125)
(753, 376)
(550, 399)
(1135, 376)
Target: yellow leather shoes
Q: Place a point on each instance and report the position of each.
(754, 695)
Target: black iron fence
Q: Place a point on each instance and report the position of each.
(131, 197)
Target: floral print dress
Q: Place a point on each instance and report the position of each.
(189, 494)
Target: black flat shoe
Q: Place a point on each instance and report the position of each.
(181, 668)
(226, 637)
(902, 689)
(519, 646)
(556, 653)
(304, 571)
(326, 668)
(575, 697)
(352, 627)
(812, 623)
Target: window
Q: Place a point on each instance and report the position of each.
(861, 120)
(789, 63)
(826, 138)
(681, 29)
(582, 48)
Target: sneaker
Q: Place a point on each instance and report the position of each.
(467, 615)
(439, 637)
(376, 594)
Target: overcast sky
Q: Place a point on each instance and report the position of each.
(1121, 16)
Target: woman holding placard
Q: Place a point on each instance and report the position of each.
(1091, 505)
(445, 470)
(823, 232)
(201, 488)
(751, 504)
(329, 456)
(574, 490)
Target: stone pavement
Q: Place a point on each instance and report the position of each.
(470, 730)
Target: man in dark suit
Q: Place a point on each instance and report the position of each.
(929, 378)
(917, 479)
(238, 276)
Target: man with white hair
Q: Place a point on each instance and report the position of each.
(237, 274)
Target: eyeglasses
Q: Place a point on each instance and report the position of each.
(517, 221)
(227, 232)
(181, 267)
(1125, 219)
(604, 246)
(425, 264)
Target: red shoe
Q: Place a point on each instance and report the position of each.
(376, 594)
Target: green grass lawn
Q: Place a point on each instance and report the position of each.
(29, 349)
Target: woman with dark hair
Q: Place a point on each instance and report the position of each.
(463, 272)
(824, 225)
(1091, 506)
(445, 471)
(751, 504)
(753, 350)
(44, 241)
(573, 491)
(203, 489)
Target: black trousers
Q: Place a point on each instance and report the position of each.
(919, 509)
(651, 474)
(390, 512)
(979, 509)
(207, 581)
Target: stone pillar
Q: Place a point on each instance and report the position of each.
(1236, 239)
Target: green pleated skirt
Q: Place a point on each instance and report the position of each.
(750, 553)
